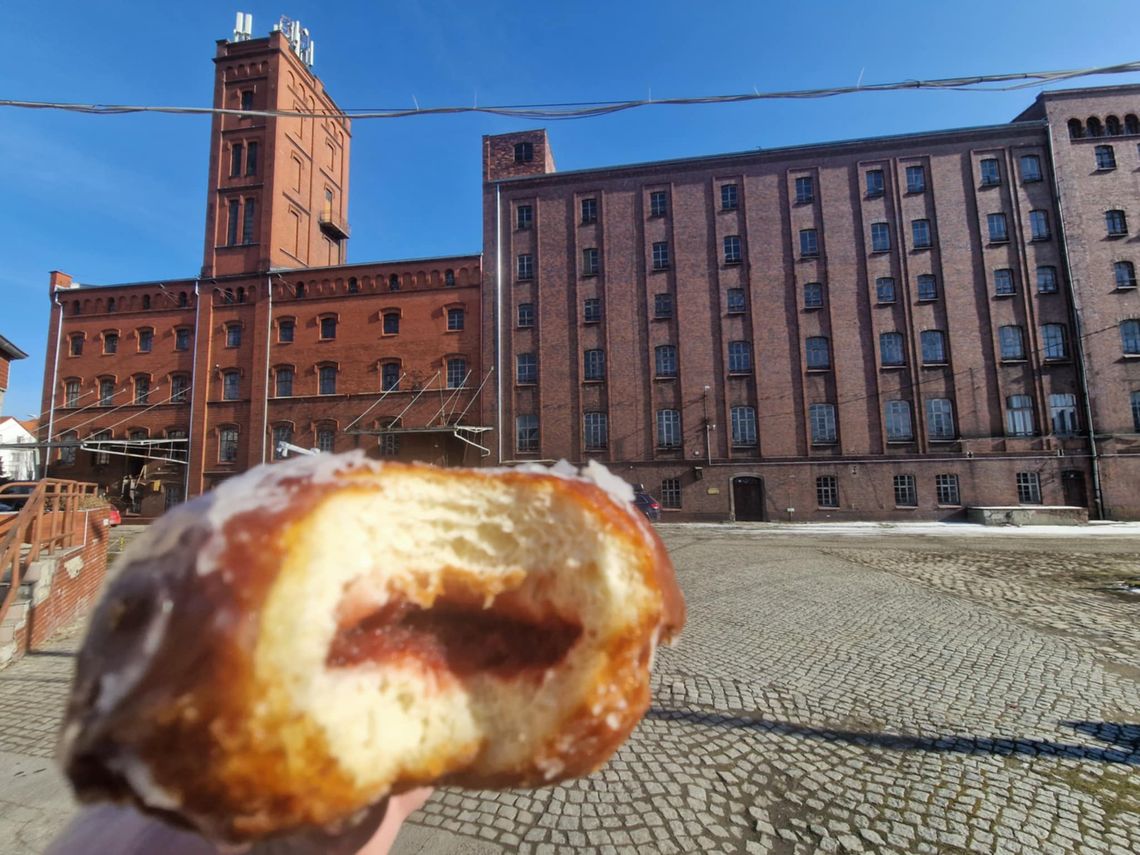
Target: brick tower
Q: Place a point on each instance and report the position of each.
(278, 185)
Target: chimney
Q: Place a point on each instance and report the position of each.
(60, 280)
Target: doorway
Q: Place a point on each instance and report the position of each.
(1073, 488)
(748, 498)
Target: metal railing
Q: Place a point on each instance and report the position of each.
(49, 519)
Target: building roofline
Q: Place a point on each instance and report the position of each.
(788, 151)
(1089, 90)
(10, 350)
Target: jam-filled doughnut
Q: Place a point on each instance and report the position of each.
(313, 635)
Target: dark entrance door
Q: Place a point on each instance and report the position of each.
(748, 498)
(1073, 487)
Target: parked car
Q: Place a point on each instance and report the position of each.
(15, 494)
(647, 505)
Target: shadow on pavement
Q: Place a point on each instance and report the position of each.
(1123, 735)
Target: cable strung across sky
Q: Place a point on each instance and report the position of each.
(591, 109)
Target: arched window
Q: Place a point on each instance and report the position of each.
(75, 307)
(1130, 337)
(394, 282)
(1094, 126)
(449, 278)
(110, 304)
(299, 292)
(1131, 124)
(241, 295)
(1076, 129)
(390, 377)
(183, 299)
(146, 301)
(353, 285)
(1112, 126)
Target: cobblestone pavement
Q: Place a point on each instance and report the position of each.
(885, 694)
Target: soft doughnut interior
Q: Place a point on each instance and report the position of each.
(431, 627)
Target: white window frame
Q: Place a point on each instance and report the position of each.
(897, 420)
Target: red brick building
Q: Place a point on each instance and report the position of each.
(8, 354)
(885, 328)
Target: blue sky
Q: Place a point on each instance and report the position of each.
(122, 198)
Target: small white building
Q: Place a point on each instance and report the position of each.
(16, 464)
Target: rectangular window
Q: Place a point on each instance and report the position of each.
(284, 331)
(1063, 414)
(818, 353)
(899, 428)
(739, 357)
(1116, 223)
(390, 377)
(668, 429)
(526, 432)
(827, 491)
(526, 315)
(1019, 415)
(880, 237)
(284, 383)
(182, 339)
(743, 427)
(732, 249)
(455, 319)
(663, 305)
(390, 444)
(179, 387)
(1028, 488)
(233, 335)
(991, 172)
(596, 431)
(251, 159)
(589, 211)
(671, 493)
(328, 328)
(1012, 343)
(805, 189)
(661, 255)
(906, 493)
(809, 243)
(590, 263)
(1124, 274)
(231, 386)
(946, 489)
(326, 380)
(235, 160)
(247, 221)
(71, 393)
(1135, 400)
(874, 182)
(728, 197)
(142, 390)
(281, 434)
(1105, 157)
(885, 289)
(525, 266)
(76, 345)
(592, 310)
(456, 373)
(1055, 340)
(524, 217)
(1039, 225)
(326, 439)
(822, 417)
(940, 419)
(106, 393)
(233, 222)
(227, 445)
(146, 340)
(1003, 282)
(1030, 168)
(524, 152)
(999, 231)
(665, 360)
(594, 362)
(920, 232)
(1130, 337)
(110, 342)
(391, 323)
(915, 179)
(658, 203)
(526, 368)
(813, 295)
(735, 301)
(891, 349)
(67, 452)
(933, 347)
(927, 287)
(1046, 279)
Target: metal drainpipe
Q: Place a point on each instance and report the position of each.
(193, 394)
(1074, 300)
(54, 380)
(268, 340)
(499, 317)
